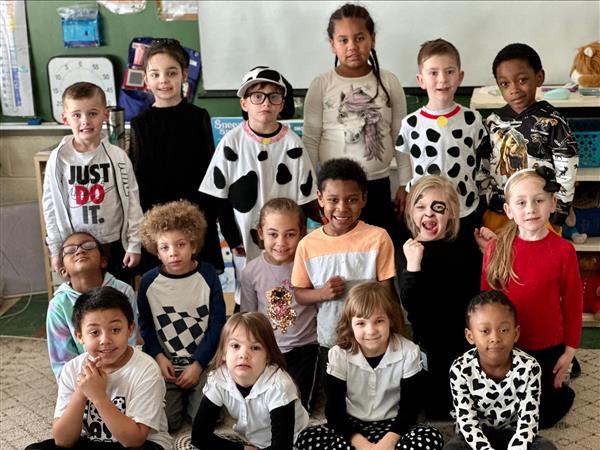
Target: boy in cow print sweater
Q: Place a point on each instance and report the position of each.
(495, 388)
(443, 137)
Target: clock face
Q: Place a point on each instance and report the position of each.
(63, 71)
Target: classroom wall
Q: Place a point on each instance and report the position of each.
(117, 31)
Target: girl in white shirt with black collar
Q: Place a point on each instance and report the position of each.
(248, 378)
(372, 376)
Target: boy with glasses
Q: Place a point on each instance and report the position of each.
(83, 264)
(259, 160)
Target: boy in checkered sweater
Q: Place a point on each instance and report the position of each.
(181, 306)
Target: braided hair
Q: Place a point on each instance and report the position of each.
(351, 11)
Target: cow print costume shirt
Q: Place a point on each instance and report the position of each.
(249, 170)
(511, 403)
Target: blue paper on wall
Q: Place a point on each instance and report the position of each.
(221, 125)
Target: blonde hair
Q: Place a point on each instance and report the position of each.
(500, 264)
(447, 188)
(362, 300)
(258, 326)
(180, 215)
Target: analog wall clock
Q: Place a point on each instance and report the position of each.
(63, 71)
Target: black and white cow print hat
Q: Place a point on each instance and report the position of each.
(261, 74)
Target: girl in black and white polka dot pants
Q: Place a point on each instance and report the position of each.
(419, 437)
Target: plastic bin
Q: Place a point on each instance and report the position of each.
(587, 134)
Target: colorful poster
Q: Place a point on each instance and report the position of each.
(15, 69)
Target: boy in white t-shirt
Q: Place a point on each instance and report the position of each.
(90, 186)
(117, 389)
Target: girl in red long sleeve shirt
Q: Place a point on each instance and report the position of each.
(538, 271)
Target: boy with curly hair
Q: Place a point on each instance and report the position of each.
(180, 305)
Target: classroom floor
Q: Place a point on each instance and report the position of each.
(28, 395)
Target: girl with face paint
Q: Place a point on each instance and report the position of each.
(437, 275)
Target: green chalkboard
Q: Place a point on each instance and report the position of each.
(117, 31)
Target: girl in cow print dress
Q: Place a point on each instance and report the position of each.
(496, 388)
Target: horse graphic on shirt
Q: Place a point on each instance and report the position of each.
(361, 117)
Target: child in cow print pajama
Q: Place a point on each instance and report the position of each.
(495, 387)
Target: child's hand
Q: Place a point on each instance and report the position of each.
(57, 266)
(131, 259)
(359, 442)
(483, 235)
(413, 250)
(561, 368)
(400, 201)
(190, 376)
(387, 442)
(333, 288)
(238, 251)
(92, 381)
(166, 367)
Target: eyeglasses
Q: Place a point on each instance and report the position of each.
(72, 248)
(258, 98)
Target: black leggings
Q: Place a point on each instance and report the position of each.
(554, 403)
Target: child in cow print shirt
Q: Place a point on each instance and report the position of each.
(260, 159)
(495, 387)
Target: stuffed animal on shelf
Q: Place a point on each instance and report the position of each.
(569, 231)
(589, 267)
(586, 66)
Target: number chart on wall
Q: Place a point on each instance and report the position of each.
(63, 71)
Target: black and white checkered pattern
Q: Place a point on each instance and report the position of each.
(181, 332)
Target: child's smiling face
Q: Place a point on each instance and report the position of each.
(164, 77)
(280, 233)
(518, 82)
(440, 76)
(105, 334)
(430, 213)
(342, 202)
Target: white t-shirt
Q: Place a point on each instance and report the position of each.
(93, 200)
(137, 389)
(250, 170)
(273, 389)
(374, 394)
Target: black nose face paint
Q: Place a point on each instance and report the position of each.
(438, 207)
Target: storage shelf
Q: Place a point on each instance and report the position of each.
(588, 174)
(591, 245)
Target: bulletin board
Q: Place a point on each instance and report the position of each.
(117, 31)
